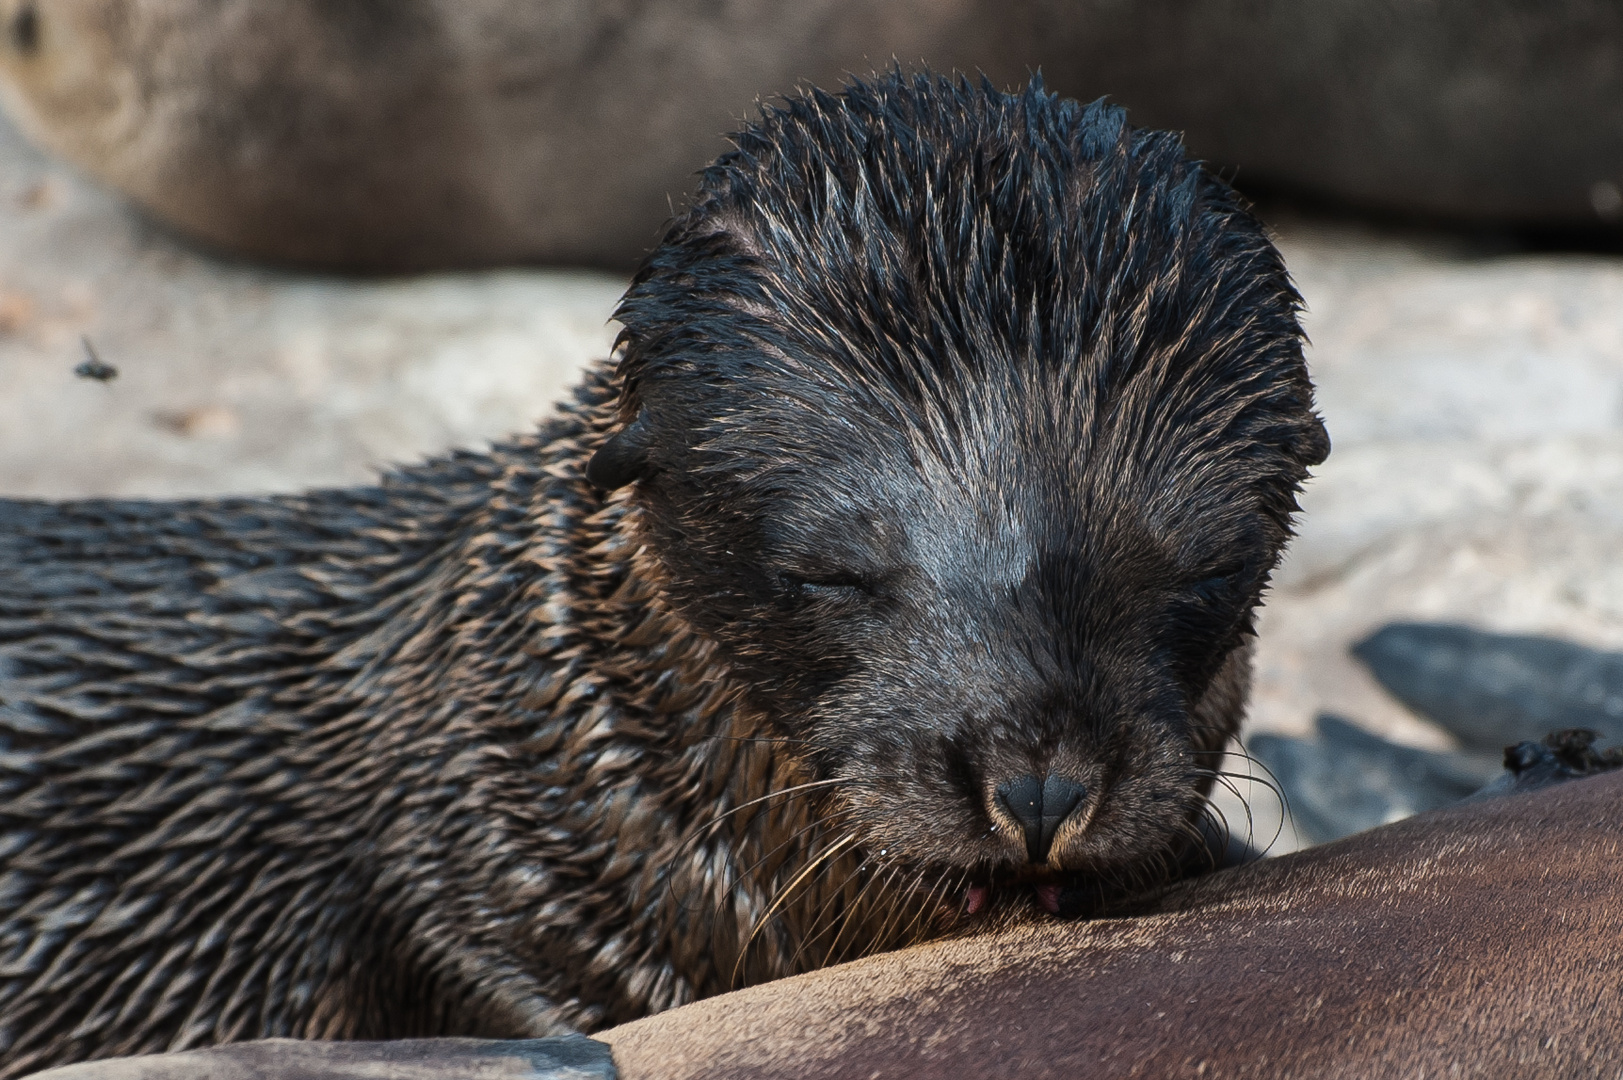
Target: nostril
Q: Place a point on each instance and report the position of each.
(1060, 798)
(1040, 807)
(1022, 797)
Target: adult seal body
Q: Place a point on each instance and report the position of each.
(898, 576)
(422, 134)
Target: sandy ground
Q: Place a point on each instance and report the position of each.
(1475, 403)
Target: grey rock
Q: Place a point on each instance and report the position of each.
(1346, 780)
(1558, 757)
(566, 1057)
(1493, 690)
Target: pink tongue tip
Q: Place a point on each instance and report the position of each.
(976, 900)
(1048, 897)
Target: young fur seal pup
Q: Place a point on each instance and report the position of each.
(901, 573)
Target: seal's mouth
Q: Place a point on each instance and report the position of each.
(977, 897)
(1037, 885)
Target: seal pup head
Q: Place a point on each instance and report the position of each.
(970, 426)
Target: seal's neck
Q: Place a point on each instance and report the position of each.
(733, 863)
(715, 858)
(614, 829)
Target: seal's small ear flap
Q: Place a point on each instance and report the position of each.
(623, 458)
(1312, 444)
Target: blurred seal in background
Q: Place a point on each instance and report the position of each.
(429, 133)
(424, 133)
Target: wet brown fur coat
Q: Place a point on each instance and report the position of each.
(313, 797)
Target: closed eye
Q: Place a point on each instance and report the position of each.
(1213, 588)
(825, 585)
(1221, 587)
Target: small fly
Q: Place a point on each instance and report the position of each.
(94, 367)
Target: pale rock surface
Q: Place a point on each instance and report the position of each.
(1475, 403)
(234, 378)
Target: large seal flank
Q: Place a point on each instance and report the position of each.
(899, 573)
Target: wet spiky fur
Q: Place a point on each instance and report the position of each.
(363, 764)
(963, 431)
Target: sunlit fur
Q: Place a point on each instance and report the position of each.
(962, 433)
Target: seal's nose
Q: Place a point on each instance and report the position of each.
(1040, 806)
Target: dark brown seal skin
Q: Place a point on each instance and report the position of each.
(954, 437)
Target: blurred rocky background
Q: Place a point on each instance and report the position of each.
(1443, 177)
